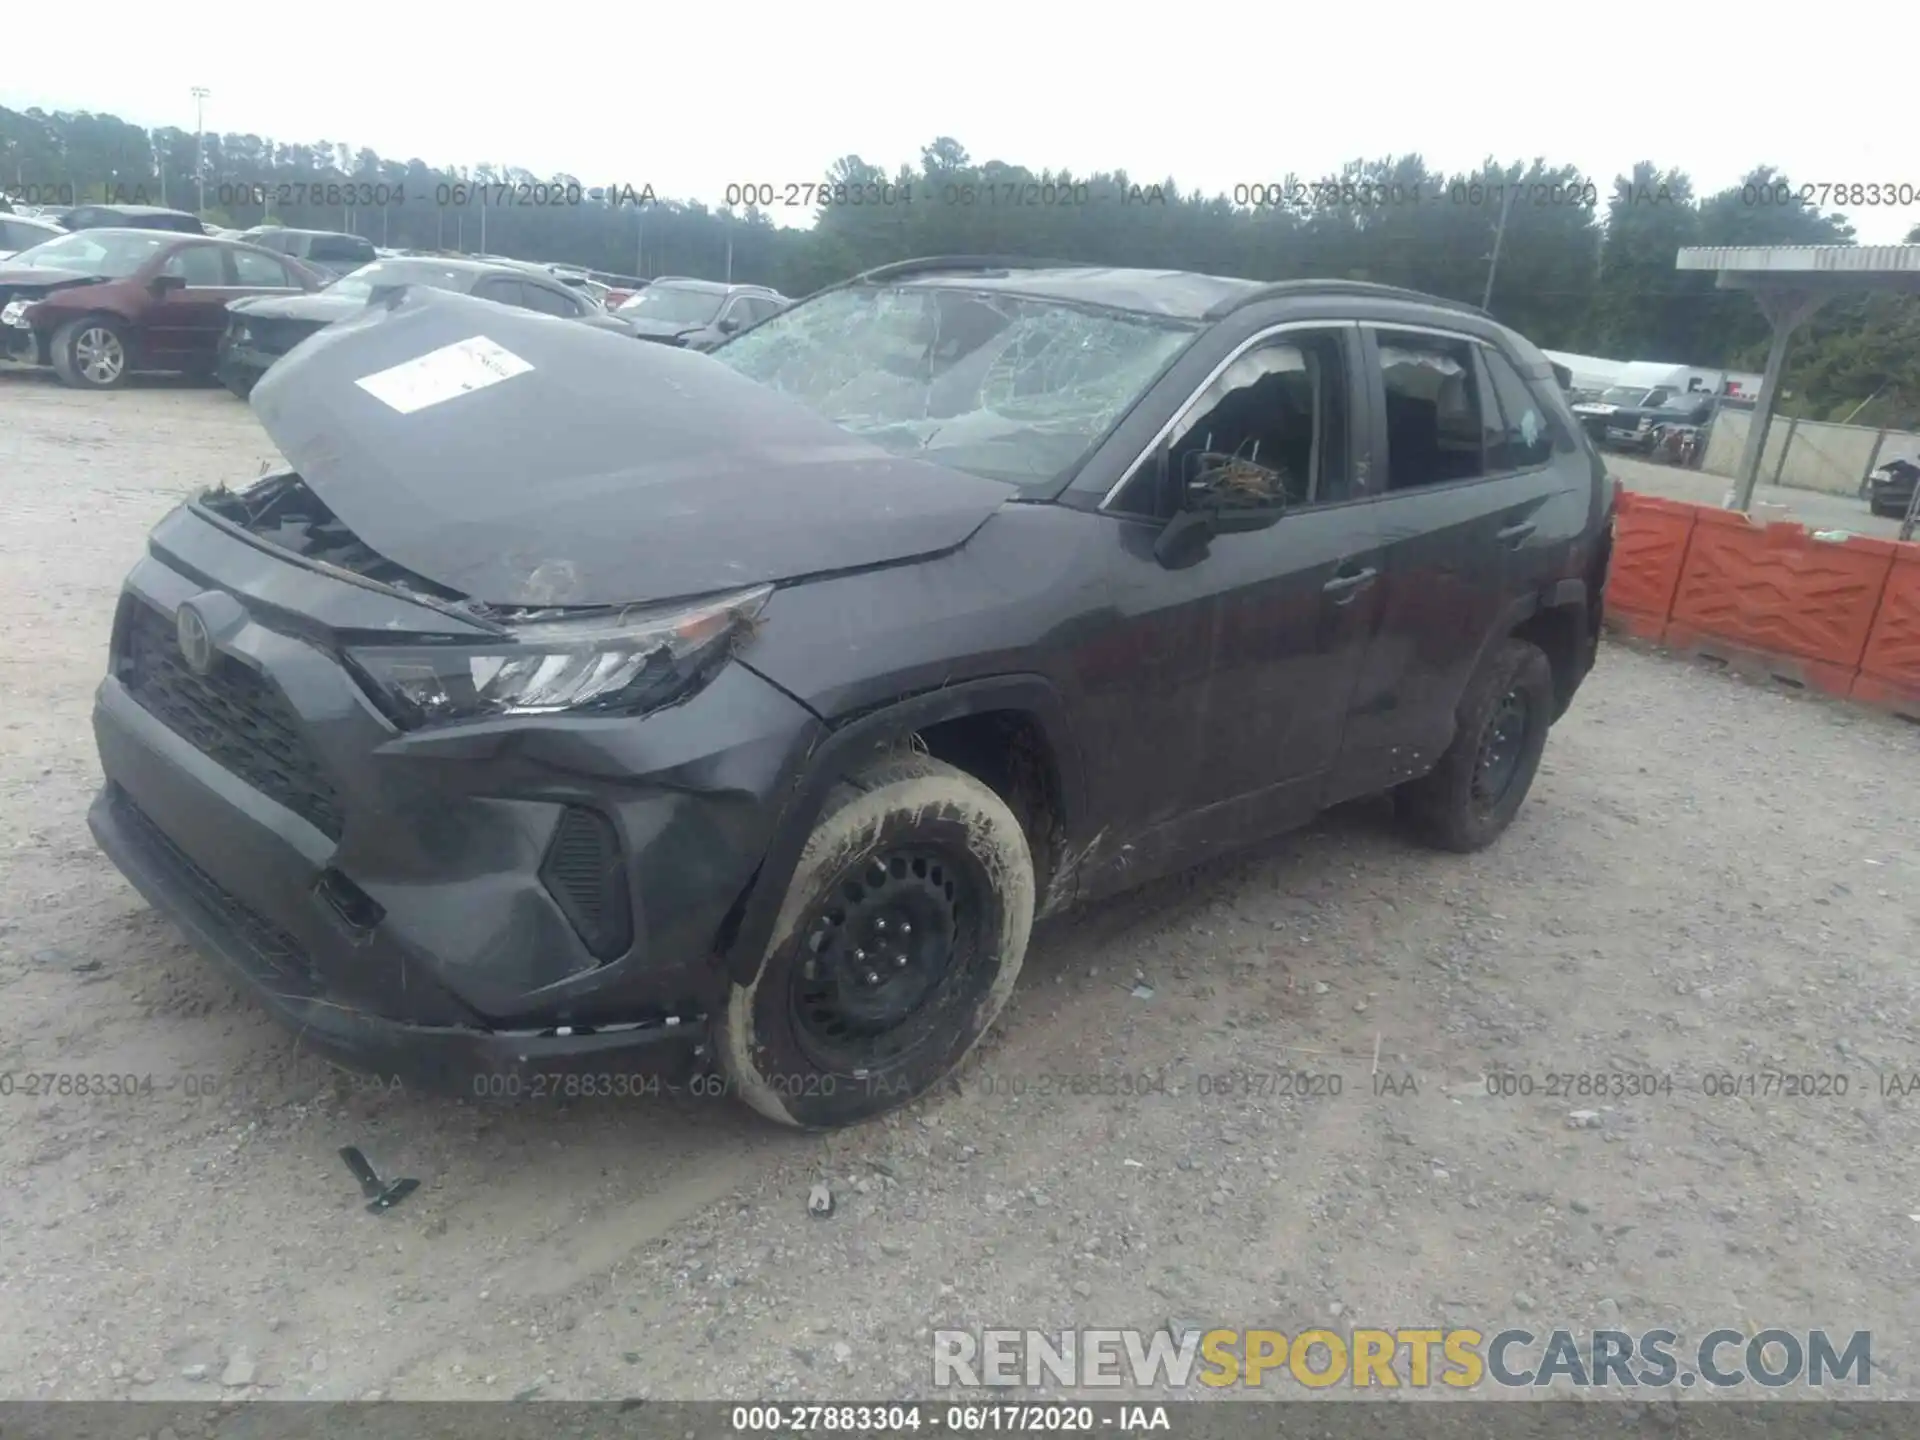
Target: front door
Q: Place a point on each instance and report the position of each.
(1253, 645)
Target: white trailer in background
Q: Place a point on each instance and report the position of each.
(1591, 374)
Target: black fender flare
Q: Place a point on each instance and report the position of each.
(861, 739)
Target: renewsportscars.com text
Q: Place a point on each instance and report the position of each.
(1415, 1358)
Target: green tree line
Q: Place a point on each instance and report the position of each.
(1584, 263)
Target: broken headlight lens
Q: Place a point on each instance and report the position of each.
(620, 663)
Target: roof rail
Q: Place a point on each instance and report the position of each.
(900, 269)
(1281, 289)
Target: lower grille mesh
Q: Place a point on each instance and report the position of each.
(231, 714)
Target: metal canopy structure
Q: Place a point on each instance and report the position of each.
(1790, 283)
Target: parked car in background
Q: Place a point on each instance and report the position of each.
(698, 314)
(1630, 417)
(23, 232)
(1889, 489)
(260, 330)
(648, 709)
(131, 217)
(98, 305)
(620, 288)
(332, 252)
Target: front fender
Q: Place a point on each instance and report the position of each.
(861, 739)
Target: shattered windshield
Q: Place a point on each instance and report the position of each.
(111, 254)
(1010, 388)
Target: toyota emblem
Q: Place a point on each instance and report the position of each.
(196, 642)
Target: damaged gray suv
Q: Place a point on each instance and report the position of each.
(570, 707)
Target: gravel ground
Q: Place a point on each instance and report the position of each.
(1710, 877)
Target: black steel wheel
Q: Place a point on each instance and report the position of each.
(1469, 798)
(897, 945)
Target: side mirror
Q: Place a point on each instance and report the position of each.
(166, 284)
(1187, 536)
(728, 326)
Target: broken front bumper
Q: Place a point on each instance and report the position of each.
(445, 905)
(20, 345)
(456, 1059)
(240, 366)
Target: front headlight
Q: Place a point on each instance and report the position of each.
(14, 312)
(617, 663)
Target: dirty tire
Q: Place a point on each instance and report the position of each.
(67, 363)
(901, 839)
(1446, 808)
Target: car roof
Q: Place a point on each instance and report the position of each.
(712, 287)
(177, 236)
(468, 264)
(137, 210)
(292, 230)
(1177, 294)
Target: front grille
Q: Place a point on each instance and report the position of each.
(272, 955)
(232, 714)
(584, 874)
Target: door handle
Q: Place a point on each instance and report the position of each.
(1345, 587)
(1514, 534)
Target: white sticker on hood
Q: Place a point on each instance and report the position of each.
(444, 373)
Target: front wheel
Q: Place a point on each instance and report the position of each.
(91, 353)
(896, 947)
(1472, 795)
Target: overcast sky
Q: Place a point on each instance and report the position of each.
(691, 99)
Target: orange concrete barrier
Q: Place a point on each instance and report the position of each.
(1775, 588)
(1890, 665)
(1650, 538)
(1842, 616)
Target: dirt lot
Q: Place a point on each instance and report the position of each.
(1709, 878)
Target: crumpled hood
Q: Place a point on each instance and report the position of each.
(320, 308)
(18, 283)
(523, 459)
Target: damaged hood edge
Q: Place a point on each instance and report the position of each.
(528, 460)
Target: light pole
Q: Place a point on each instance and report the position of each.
(200, 93)
(1499, 238)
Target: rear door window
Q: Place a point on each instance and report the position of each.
(199, 265)
(548, 302)
(501, 289)
(341, 249)
(1434, 409)
(261, 271)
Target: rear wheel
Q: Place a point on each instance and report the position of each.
(897, 945)
(1472, 795)
(91, 353)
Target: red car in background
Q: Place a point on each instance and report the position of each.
(98, 305)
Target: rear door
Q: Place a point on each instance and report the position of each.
(1459, 510)
(182, 326)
